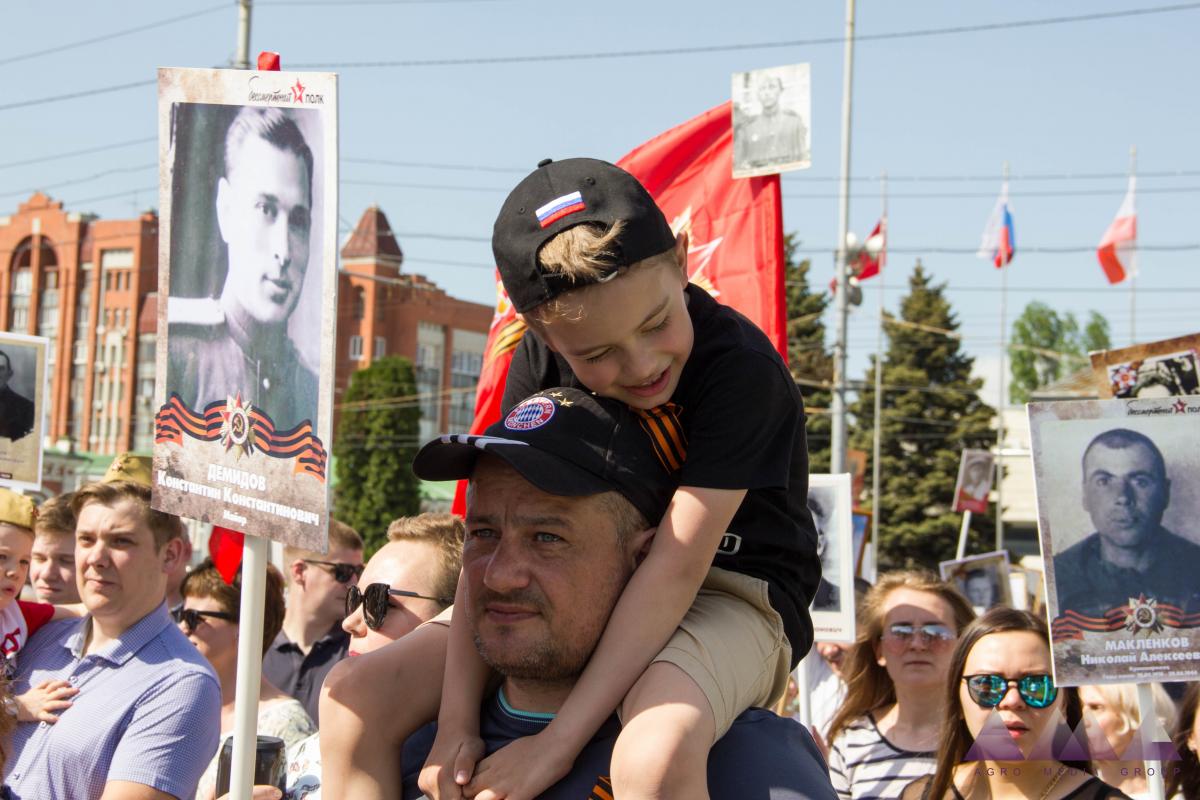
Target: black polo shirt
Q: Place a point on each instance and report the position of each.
(300, 675)
(743, 424)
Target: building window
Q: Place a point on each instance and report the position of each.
(380, 347)
(116, 259)
(22, 289)
(356, 348)
(360, 303)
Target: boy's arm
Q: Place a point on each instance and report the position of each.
(457, 746)
(650, 608)
(68, 611)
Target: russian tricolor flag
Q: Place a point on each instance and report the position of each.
(999, 237)
(559, 207)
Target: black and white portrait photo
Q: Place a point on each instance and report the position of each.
(248, 190)
(983, 579)
(241, 312)
(772, 110)
(22, 408)
(829, 501)
(1117, 502)
(1166, 368)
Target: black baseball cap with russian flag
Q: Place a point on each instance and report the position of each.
(565, 442)
(559, 195)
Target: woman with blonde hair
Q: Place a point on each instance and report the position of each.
(1001, 702)
(1112, 718)
(884, 734)
(1183, 780)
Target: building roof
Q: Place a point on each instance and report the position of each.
(1079, 385)
(373, 238)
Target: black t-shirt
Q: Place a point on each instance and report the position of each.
(762, 756)
(743, 424)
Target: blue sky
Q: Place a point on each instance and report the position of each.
(1062, 99)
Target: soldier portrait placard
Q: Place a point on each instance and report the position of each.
(247, 263)
(974, 482)
(1118, 501)
(1167, 368)
(832, 511)
(23, 409)
(983, 579)
(772, 120)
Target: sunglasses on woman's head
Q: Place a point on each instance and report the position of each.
(988, 691)
(903, 634)
(374, 600)
(341, 571)
(191, 618)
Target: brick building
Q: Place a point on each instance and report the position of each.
(90, 286)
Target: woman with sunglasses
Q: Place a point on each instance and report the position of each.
(1000, 678)
(1183, 779)
(209, 617)
(884, 734)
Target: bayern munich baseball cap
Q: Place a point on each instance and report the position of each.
(565, 442)
(559, 195)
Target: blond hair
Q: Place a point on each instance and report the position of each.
(445, 532)
(341, 537)
(1122, 698)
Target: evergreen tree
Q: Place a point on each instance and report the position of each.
(809, 359)
(375, 444)
(931, 412)
(1047, 346)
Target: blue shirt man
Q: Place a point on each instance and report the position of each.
(146, 719)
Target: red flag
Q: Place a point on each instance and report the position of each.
(225, 549)
(871, 256)
(735, 234)
(1116, 251)
(735, 227)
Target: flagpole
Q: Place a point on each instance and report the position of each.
(877, 439)
(1134, 259)
(837, 455)
(1000, 409)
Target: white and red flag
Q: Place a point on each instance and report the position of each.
(1118, 248)
(870, 257)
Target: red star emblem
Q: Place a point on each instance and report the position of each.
(298, 92)
(1180, 406)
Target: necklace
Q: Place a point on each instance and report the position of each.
(1054, 782)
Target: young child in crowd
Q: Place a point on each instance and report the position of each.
(20, 619)
(717, 615)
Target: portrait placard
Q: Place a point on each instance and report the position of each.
(772, 120)
(974, 482)
(23, 409)
(832, 510)
(983, 579)
(1167, 368)
(1117, 501)
(248, 266)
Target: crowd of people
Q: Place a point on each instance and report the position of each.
(618, 616)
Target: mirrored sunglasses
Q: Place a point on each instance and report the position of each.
(342, 572)
(988, 691)
(374, 600)
(903, 634)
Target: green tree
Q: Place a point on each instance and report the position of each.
(375, 444)
(809, 359)
(931, 412)
(1047, 346)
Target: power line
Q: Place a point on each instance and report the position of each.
(114, 35)
(37, 101)
(827, 40)
(1018, 195)
(72, 153)
(86, 179)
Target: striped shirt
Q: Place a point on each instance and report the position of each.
(864, 765)
(148, 711)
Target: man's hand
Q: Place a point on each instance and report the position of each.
(450, 765)
(521, 770)
(37, 704)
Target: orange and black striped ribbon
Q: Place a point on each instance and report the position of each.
(175, 420)
(508, 336)
(664, 427)
(602, 790)
(1072, 625)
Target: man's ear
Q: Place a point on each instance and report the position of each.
(297, 569)
(640, 544)
(224, 207)
(173, 554)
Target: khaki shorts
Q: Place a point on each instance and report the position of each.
(730, 642)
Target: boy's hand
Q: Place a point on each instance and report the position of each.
(521, 770)
(450, 764)
(37, 704)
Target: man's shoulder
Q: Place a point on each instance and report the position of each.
(1076, 556)
(1181, 547)
(765, 755)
